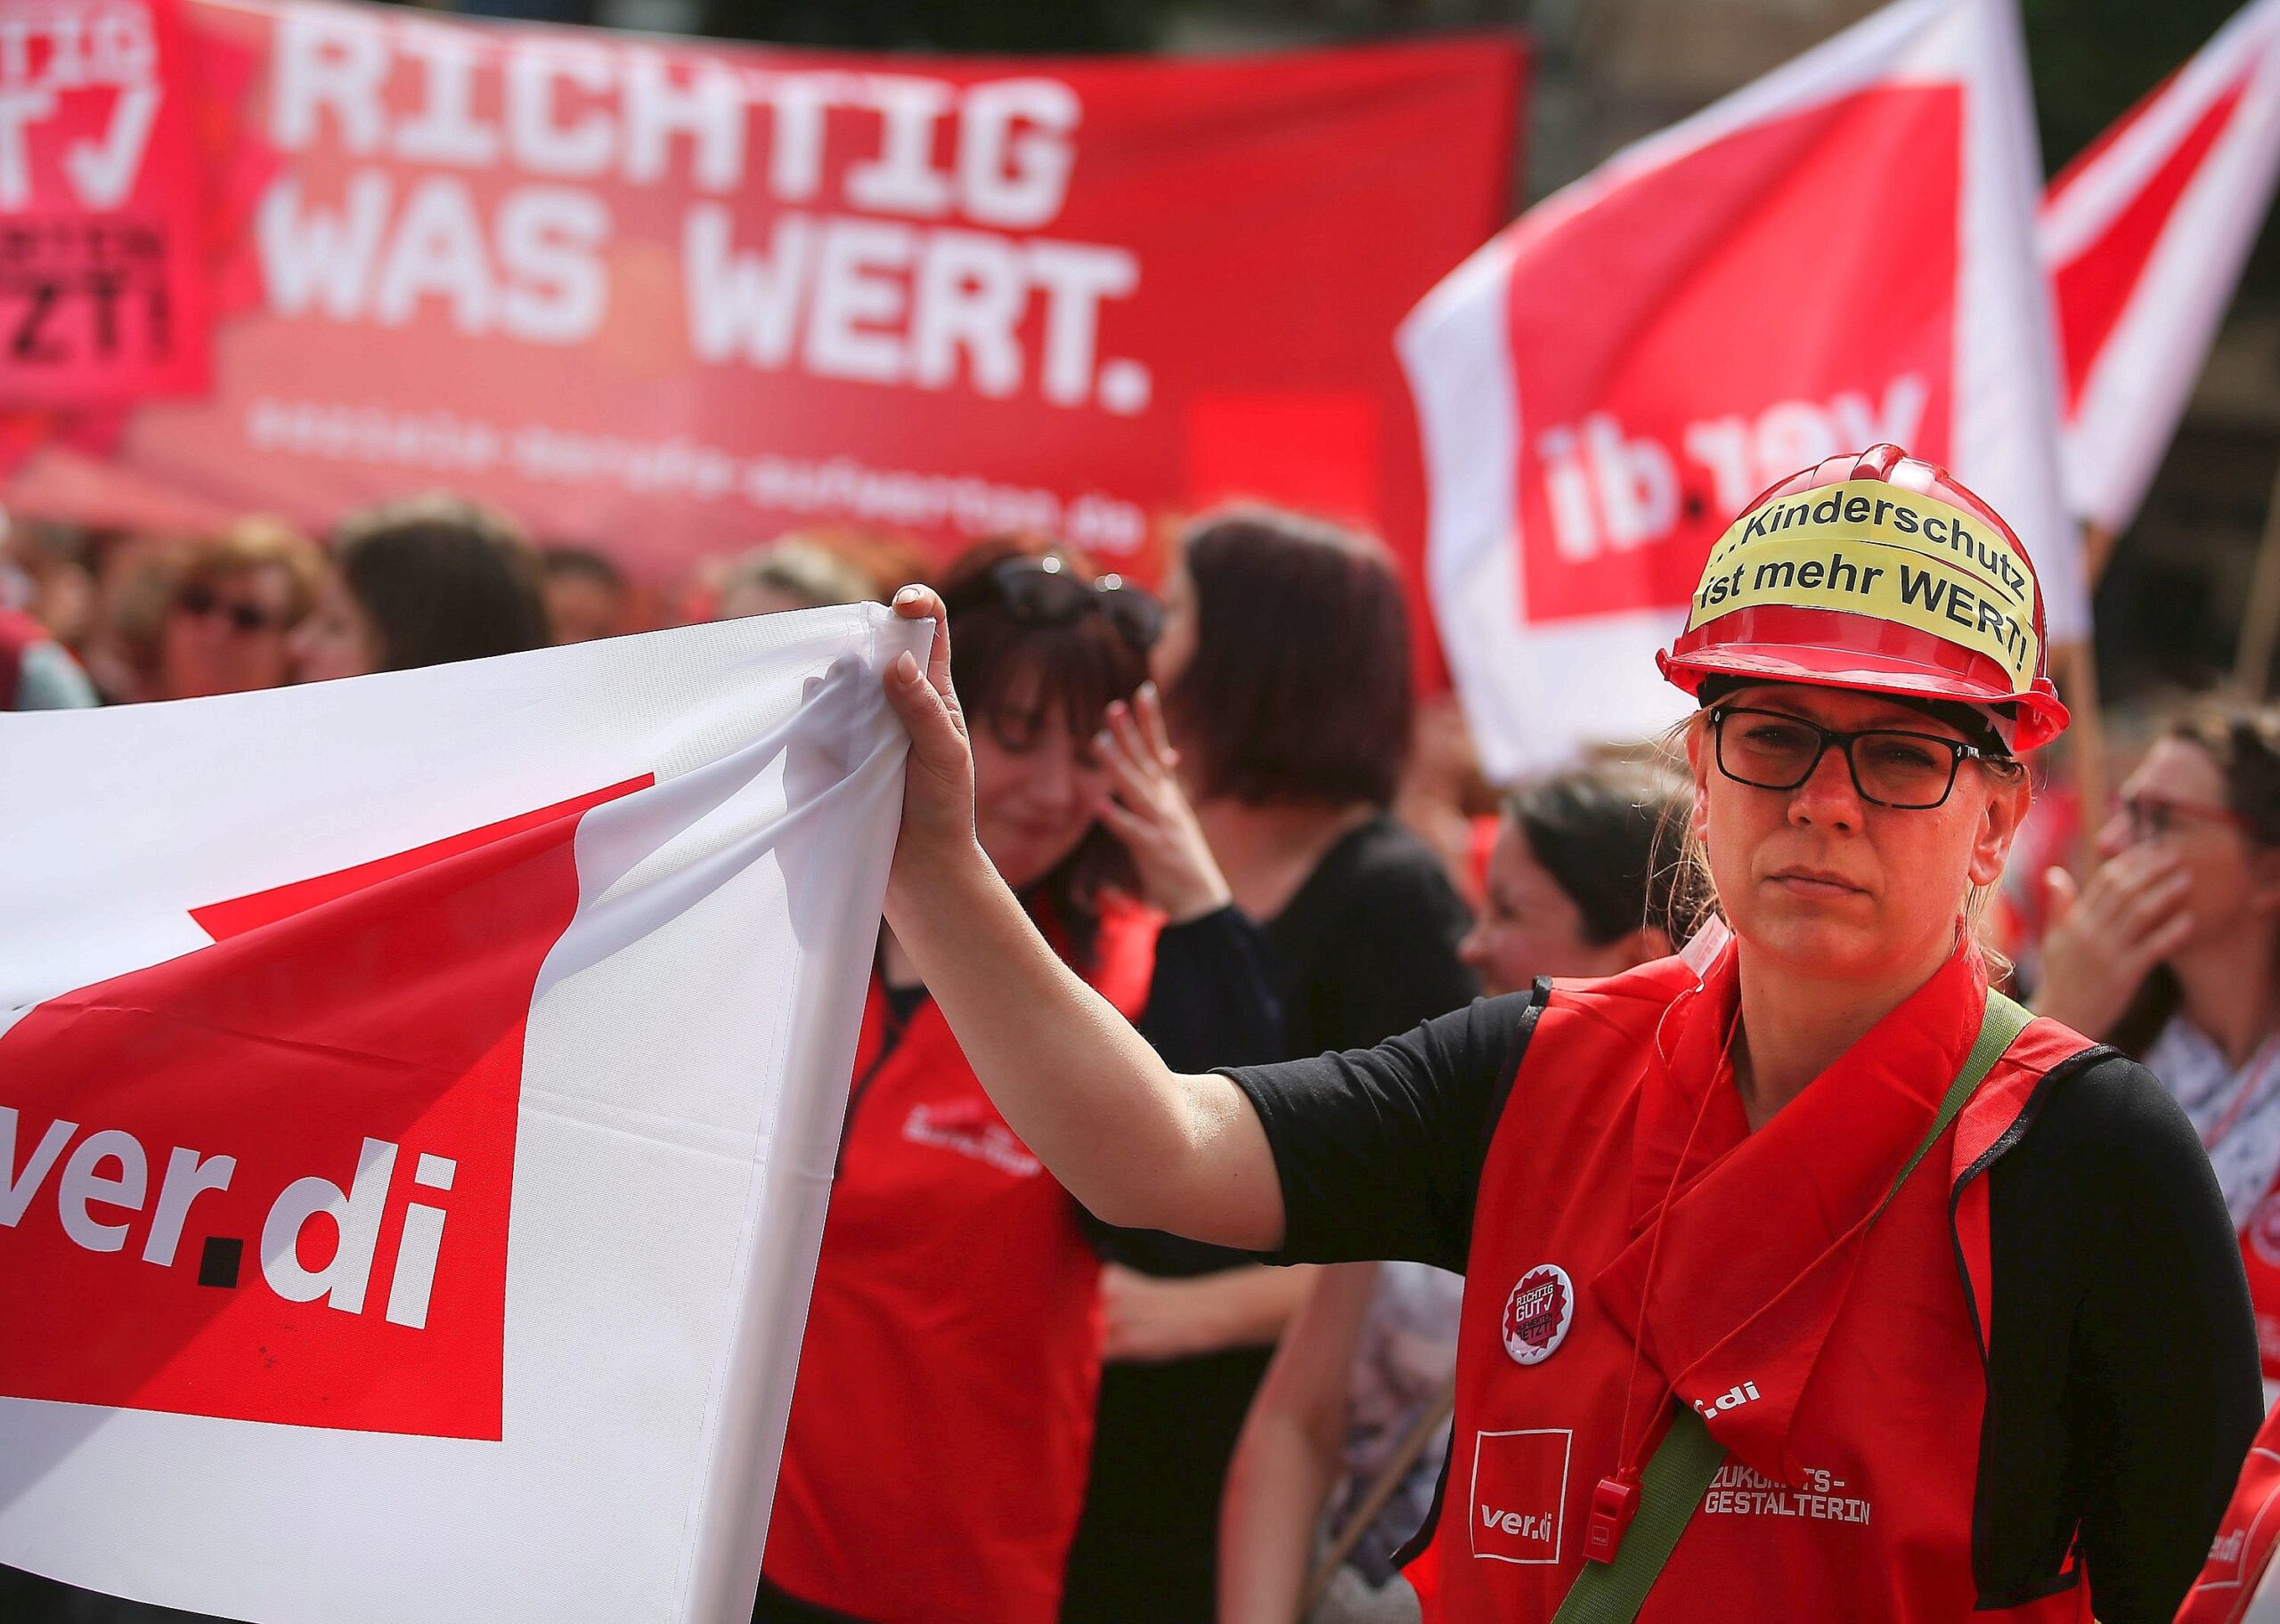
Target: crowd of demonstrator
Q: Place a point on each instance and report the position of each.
(1218, 804)
(107, 618)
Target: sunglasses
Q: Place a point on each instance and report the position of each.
(199, 602)
(1044, 592)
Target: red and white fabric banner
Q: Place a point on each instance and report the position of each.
(671, 298)
(1838, 254)
(417, 1101)
(102, 296)
(2143, 238)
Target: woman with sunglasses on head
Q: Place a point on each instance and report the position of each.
(936, 1456)
(2171, 953)
(1285, 668)
(1806, 1278)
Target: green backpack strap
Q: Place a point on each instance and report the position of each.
(1680, 1472)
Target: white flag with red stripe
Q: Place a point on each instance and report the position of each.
(1838, 254)
(417, 1099)
(2143, 238)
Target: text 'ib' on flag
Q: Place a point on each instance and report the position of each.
(1837, 255)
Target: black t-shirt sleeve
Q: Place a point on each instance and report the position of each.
(1211, 1000)
(1378, 1150)
(2124, 1388)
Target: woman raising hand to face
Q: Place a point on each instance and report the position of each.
(956, 1315)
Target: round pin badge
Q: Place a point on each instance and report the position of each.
(1538, 1312)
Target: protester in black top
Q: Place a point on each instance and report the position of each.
(1285, 664)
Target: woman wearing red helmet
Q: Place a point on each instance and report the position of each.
(1806, 1278)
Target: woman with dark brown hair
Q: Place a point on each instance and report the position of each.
(1285, 665)
(936, 1456)
(421, 582)
(2171, 953)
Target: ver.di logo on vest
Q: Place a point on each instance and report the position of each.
(1538, 1312)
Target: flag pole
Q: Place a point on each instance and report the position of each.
(2261, 621)
(2074, 667)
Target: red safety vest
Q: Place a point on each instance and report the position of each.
(1842, 1368)
(2260, 1253)
(943, 1421)
(2241, 1554)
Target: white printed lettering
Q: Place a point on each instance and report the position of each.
(1076, 278)
(18, 1189)
(1013, 151)
(321, 258)
(446, 131)
(709, 109)
(438, 252)
(83, 1187)
(18, 110)
(902, 179)
(103, 174)
(549, 243)
(356, 1213)
(189, 1175)
(327, 60)
(743, 305)
(971, 294)
(540, 140)
(855, 294)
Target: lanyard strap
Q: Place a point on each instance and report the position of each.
(1674, 1481)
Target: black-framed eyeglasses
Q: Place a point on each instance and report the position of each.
(1891, 767)
(1045, 591)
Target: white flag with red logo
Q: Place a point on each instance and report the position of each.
(417, 1100)
(1838, 255)
(2144, 237)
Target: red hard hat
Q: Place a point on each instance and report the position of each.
(1879, 572)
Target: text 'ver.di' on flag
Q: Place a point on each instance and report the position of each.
(417, 1099)
(2144, 237)
(1837, 255)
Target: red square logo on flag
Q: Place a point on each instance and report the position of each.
(1520, 1493)
(269, 1179)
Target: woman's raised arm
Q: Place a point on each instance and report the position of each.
(1140, 1146)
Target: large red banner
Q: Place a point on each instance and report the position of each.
(101, 294)
(673, 298)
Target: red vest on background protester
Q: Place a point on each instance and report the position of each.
(943, 1421)
(2242, 1552)
(2260, 1253)
(1841, 1369)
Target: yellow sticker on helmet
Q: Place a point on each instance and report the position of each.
(1868, 548)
